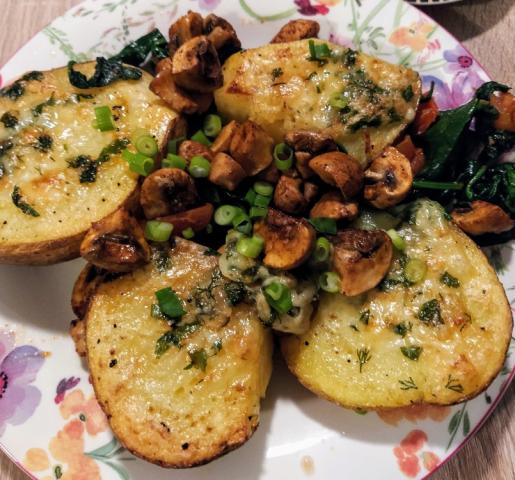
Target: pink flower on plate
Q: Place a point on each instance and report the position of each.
(458, 59)
(308, 9)
(18, 369)
(208, 4)
(460, 91)
(407, 451)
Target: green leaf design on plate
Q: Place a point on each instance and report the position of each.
(466, 424)
(266, 18)
(106, 451)
(455, 422)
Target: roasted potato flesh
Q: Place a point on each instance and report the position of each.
(161, 408)
(439, 340)
(54, 130)
(282, 90)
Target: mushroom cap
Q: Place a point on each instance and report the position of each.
(361, 258)
(184, 29)
(297, 30)
(289, 241)
(288, 196)
(311, 142)
(190, 148)
(116, 243)
(222, 34)
(167, 191)
(226, 172)
(332, 205)
(339, 170)
(196, 66)
(482, 217)
(392, 176)
(196, 218)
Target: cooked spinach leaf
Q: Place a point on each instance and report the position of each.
(198, 359)
(485, 91)
(175, 337)
(106, 72)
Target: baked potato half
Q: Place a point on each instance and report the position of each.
(198, 399)
(435, 331)
(58, 173)
(358, 100)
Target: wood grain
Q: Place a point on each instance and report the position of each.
(487, 28)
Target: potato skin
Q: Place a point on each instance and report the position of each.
(160, 411)
(67, 207)
(299, 98)
(460, 356)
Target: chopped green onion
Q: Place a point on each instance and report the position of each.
(415, 270)
(429, 185)
(250, 196)
(225, 214)
(104, 119)
(338, 101)
(212, 125)
(173, 145)
(283, 157)
(188, 233)
(200, 137)
(169, 303)
(199, 167)
(262, 201)
(318, 51)
(322, 250)
(138, 162)
(147, 145)
(397, 240)
(174, 161)
(330, 282)
(324, 225)
(279, 297)
(264, 188)
(158, 231)
(258, 212)
(250, 247)
(241, 222)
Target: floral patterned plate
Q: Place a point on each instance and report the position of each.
(50, 422)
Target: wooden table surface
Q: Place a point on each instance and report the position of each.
(487, 28)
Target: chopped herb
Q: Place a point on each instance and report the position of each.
(161, 259)
(106, 72)
(349, 57)
(412, 352)
(356, 329)
(198, 359)
(312, 75)
(363, 357)
(44, 143)
(408, 384)
(235, 292)
(113, 363)
(77, 97)
(365, 122)
(393, 115)
(452, 384)
(211, 252)
(203, 296)
(448, 280)
(155, 312)
(407, 93)
(277, 72)
(217, 345)
(22, 204)
(112, 149)
(14, 91)
(430, 313)
(175, 337)
(34, 75)
(169, 303)
(390, 283)
(364, 317)
(324, 225)
(318, 52)
(402, 329)
(5, 146)
(361, 83)
(9, 120)
(38, 109)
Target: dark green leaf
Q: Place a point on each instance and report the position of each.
(22, 204)
(9, 120)
(402, 329)
(448, 280)
(235, 292)
(485, 91)
(364, 317)
(441, 139)
(412, 352)
(175, 337)
(198, 359)
(454, 423)
(430, 314)
(466, 424)
(217, 345)
(106, 72)
(169, 303)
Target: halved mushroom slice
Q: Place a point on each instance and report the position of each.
(361, 258)
(482, 217)
(167, 191)
(252, 147)
(184, 29)
(116, 243)
(196, 218)
(270, 174)
(226, 172)
(222, 35)
(311, 142)
(190, 148)
(332, 205)
(339, 170)
(165, 88)
(289, 241)
(288, 196)
(297, 30)
(310, 192)
(222, 142)
(196, 66)
(392, 177)
(302, 164)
